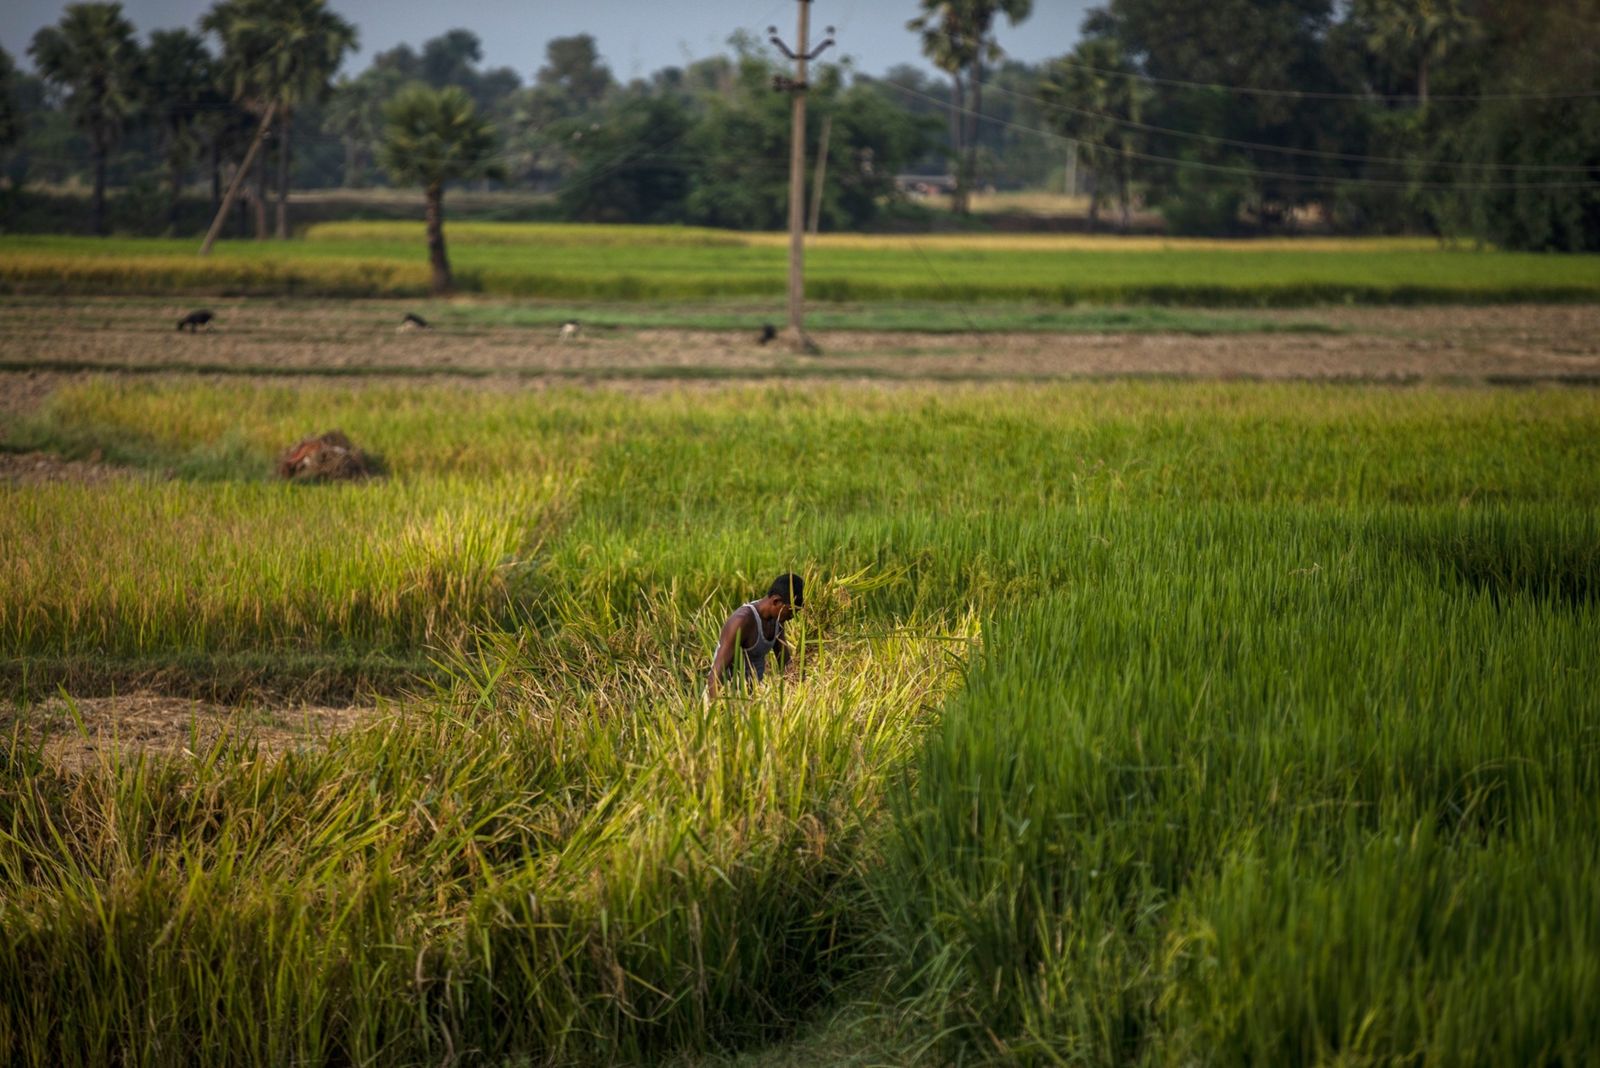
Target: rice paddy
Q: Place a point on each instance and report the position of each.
(1134, 722)
(571, 262)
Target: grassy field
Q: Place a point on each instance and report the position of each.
(1156, 723)
(632, 263)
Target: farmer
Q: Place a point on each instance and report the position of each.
(756, 629)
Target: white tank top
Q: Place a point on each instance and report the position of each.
(755, 654)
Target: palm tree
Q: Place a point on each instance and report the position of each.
(956, 37)
(1417, 32)
(277, 54)
(93, 55)
(178, 80)
(434, 136)
(948, 52)
(354, 114)
(346, 117)
(10, 116)
(1094, 98)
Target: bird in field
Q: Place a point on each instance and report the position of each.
(196, 319)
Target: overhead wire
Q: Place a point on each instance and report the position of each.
(1284, 149)
(1304, 94)
(655, 153)
(1316, 94)
(1309, 180)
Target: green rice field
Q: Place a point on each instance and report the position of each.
(1135, 722)
(637, 263)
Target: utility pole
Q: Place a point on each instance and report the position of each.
(796, 88)
(819, 176)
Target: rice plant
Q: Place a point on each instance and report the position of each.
(1133, 723)
(573, 262)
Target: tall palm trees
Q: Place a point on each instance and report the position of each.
(277, 54)
(956, 36)
(178, 81)
(353, 114)
(1096, 99)
(92, 54)
(434, 136)
(1415, 33)
(10, 116)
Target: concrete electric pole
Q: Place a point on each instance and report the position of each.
(797, 168)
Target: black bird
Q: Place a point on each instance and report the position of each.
(768, 332)
(196, 319)
(413, 321)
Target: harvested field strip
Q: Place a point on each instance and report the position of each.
(482, 340)
(78, 733)
(23, 315)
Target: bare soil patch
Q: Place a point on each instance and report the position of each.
(39, 468)
(1516, 342)
(149, 723)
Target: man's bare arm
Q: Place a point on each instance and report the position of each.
(732, 635)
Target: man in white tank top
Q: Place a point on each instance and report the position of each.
(754, 630)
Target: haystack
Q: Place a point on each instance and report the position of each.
(325, 458)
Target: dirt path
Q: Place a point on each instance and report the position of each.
(358, 338)
(92, 729)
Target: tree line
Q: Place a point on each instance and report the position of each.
(1457, 117)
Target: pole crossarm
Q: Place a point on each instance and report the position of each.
(777, 42)
(796, 88)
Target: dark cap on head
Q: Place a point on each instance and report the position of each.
(792, 588)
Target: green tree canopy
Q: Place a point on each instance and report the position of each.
(549, 118)
(1258, 72)
(1539, 112)
(1416, 34)
(10, 120)
(92, 54)
(573, 69)
(178, 82)
(451, 58)
(739, 149)
(631, 163)
(958, 37)
(279, 51)
(1095, 100)
(279, 54)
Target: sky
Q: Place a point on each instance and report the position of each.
(635, 37)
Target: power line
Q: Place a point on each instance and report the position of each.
(1308, 152)
(1310, 180)
(1300, 94)
(1312, 94)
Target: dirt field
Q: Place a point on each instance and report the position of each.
(1511, 343)
(91, 729)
